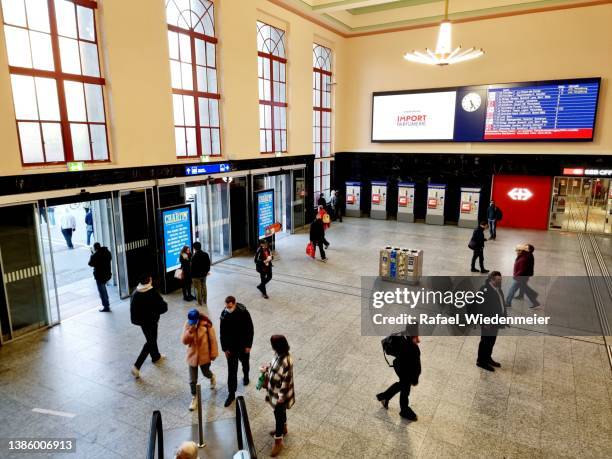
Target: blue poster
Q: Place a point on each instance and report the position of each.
(265, 213)
(177, 233)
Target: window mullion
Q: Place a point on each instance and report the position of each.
(196, 102)
(272, 104)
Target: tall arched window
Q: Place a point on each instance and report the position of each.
(191, 34)
(58, 89)
(321, 124)
(271, 65)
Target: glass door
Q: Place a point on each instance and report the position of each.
(197, 196)
(298, 198)
(46, 223)
(219, 204)
(598, 212)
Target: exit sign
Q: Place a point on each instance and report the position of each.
(76, 166)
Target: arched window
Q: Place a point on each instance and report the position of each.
(191, 35)
(271, 65)
(321, 124)
(58, 89)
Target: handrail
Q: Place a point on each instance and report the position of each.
(242, 420)
(156, 432)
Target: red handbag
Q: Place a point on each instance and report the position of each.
(310, 250)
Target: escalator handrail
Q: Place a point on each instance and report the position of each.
(242, 417)
(156, 433)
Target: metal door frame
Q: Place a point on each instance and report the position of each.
(291, 178)
(229, 218)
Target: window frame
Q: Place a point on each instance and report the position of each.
(60, 77)
(319, 109)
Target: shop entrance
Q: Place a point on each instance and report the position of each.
(581, 204)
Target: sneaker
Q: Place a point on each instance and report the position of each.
(228, 401)
(535, 305)
(161, 357)
(383, 401)
(485, 366)
(213, 382)
(324, 260)
(495, 364)
(409, 414)
(474, 270)
(104, 310)
(266, 297)
(484, 271)
(136, 372)
(194, 403)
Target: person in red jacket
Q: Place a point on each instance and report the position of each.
(523, 270)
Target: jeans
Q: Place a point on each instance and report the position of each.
(103, 293)
(280, 416)
(150, 347)
(478, 254)
(90, 232)
(403, 387)
(193, 376)
(186, 287)
(67, 233)
(493, 228)
(319, 244)
(265, 276)
(488, 336)
(232, 369)
(199, 283)
(520, 284)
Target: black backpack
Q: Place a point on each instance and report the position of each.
(498, 214)
(391, 345)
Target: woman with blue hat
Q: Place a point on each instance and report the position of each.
(201, 341)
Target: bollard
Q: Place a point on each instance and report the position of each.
(201, 442)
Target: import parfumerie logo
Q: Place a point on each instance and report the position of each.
(411, 118)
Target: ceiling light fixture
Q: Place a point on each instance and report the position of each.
(444, 55)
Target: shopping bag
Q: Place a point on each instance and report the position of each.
(178, 274)
(310, 250)
(326, 218)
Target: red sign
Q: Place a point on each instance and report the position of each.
(573, 171)
(524, 200)
(402, 201)
(350, 199)
(432, 203)
(466, 207)
(273, 228)
(375, 199)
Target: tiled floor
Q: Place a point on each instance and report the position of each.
(552, 397)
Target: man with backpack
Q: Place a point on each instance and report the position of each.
(407, 365)
(494, 214)
(476, 244)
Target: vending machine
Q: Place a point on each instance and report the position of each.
(435, 204)
(353, 199)
(378, 209)
(405, 202)
(400, 265)
(468, 207)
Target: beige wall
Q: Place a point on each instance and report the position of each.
(134, 53)
(563, 44)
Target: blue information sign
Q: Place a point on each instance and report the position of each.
(265, 213)
(201, 169)
(177, 233)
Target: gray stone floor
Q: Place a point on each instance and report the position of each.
(551, 399)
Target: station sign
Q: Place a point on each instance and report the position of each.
(203, 169)
(587, 171)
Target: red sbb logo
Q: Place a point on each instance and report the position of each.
(520, 194)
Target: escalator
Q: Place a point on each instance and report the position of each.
(224, 438)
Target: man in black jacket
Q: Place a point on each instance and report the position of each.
(407, 366)
(146, 306)
(317, 235)
(236, 332)
(477, 244)
(100, 261)
(492, 306)
(200, 267)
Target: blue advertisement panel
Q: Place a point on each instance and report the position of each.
(265, 213)
(177, 233)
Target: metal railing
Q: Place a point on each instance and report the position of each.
(156, 433)
(243, 429)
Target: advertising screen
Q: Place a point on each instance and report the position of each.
(265, 213)
(177, 233)
(419, 116)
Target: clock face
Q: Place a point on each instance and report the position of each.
(471, 102)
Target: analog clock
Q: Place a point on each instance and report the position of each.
(471, 102)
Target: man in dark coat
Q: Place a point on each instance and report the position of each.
(236, 335)
(100, 261)
(263, 265)
(407, 366)
(477, 244)
(337, 205)
(200, 267)
(493, 216)
(321, 201)
(146, 306)
(317, 235)
(523, 270)
(492, 306)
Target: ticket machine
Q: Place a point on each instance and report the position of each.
(378, 209)
(405, 202)
(468, 207)
(353, 199)
(435, 204)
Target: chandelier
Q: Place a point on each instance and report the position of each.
(444, 54)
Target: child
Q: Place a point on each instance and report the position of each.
(201, 341)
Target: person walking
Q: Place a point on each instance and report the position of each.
(68, 226)
(146, 306)
(200, 268)
(236, 331)
(494, 214)
(100, 261)
(492, 306)
(523, 270)
(337, 205)
(477, 243)
(278, 382)
(317, 235)
(185, 259)
(321, 201)
(89, 224)
(407, 366)
(263, 265)
(201, 341)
